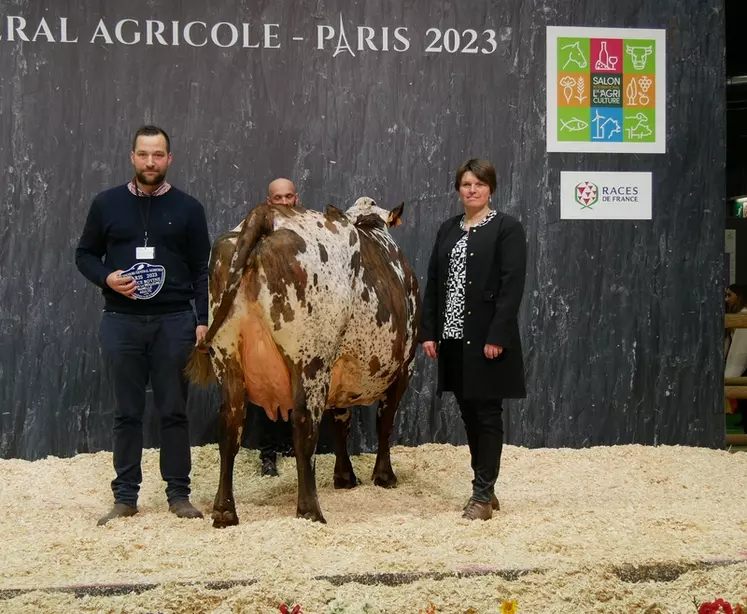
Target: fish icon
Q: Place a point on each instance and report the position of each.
(574, 125)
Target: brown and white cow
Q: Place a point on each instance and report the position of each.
(309, 311)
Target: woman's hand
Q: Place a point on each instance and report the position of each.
(492, 351)
(430, 348)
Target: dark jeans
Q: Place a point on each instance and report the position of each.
(273, 438)
(138, 348)
(483, 421)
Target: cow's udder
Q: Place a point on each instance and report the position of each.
(266, 375)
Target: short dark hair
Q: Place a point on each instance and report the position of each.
(482, 169)
(741, 291)
(151, 131)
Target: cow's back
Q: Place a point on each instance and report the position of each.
(305, 284)
(319, 298)
(291, 309)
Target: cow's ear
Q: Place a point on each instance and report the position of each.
(395, 216)
(332, 210)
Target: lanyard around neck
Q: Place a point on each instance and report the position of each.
(145, 217)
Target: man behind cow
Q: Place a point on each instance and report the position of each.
(275, 437)
(154, 241)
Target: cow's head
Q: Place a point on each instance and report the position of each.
(639, 55)
(365, 210)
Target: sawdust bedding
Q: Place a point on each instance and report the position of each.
(569, 516)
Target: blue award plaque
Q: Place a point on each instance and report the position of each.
(148, 278)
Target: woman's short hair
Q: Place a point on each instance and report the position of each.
(482, 169)
(740, 290)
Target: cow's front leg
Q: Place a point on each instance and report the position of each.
(344, 475)
(383, 474)
(232, 413)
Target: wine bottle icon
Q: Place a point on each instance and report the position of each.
(605, 61)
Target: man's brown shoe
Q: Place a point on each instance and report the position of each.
(184, 509)
(493, 503)
(478, 510)
(119, 510)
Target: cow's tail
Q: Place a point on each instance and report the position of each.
(200, 368)
(257, 224)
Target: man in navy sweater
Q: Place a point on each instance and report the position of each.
(146, 245)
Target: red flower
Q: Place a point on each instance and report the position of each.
(717, 606)
(296, 609)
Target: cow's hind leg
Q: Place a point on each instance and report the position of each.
(305, 417)
(344, 475)
(232, 413)
(383, 474)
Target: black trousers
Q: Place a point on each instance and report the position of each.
(273, 438)
(483, 421)
(138, 348)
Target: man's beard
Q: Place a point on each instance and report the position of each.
(156, 179)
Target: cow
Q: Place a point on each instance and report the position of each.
(309, 312)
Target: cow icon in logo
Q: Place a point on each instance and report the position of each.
(148, 278)
(586, 194)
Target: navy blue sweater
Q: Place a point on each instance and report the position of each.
(176, 229)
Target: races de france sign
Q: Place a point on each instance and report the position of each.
(606, 90)
(605, 196)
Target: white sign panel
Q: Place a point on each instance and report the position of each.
(730, 241)
(606, 90)
(605, 196)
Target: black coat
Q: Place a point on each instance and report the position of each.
(496, 267)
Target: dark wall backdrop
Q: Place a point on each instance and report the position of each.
(622, 321)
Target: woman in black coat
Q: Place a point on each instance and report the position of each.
(475, 285)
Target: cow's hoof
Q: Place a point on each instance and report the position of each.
(385, 480)
(224, 519)
(347, 481)
(313, 516)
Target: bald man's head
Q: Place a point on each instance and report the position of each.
(282, 192)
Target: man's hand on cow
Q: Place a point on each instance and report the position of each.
(430, 348)
(123, 285)
(200, 334)
(492, 351)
